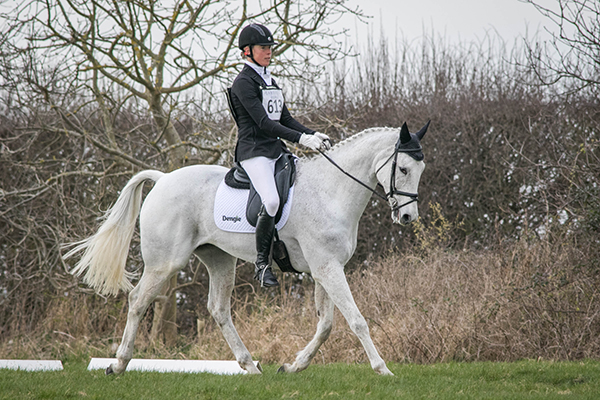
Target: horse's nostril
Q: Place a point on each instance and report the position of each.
(405, 218)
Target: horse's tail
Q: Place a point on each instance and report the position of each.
(105, 253)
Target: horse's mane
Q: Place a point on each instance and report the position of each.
(351, 138)
(360, 134)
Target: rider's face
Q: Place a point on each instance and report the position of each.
(262, 55)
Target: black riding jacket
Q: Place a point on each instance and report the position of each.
(258, 135)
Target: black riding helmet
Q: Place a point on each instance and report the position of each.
(255, 34)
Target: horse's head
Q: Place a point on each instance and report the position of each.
(400, 173)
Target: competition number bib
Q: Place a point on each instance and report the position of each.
(272, 102)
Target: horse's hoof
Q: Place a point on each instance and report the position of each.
(109, 370)
(285, 368)
(385, 372)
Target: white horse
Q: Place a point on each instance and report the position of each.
(176, 220)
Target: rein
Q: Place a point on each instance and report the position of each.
(393, 191)
(355, 179)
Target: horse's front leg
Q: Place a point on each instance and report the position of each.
(324, 307)
(331, 276)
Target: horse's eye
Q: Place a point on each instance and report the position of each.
(403, 170)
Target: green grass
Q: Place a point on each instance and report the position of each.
(520, 380)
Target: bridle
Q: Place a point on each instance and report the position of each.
(389, 196)
(414, 197)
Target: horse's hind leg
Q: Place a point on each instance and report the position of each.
(140, 298)
(325, 309)
(221, 270)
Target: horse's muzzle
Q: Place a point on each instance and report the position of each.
(402, 219)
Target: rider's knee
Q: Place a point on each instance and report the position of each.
(271, 206)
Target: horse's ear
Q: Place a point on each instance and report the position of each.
(404, 134)
(421, 133)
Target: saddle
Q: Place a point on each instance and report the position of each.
(285, 175)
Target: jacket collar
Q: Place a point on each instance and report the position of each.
(263, 72)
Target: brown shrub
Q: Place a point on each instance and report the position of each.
(524, 301)
(527, 299)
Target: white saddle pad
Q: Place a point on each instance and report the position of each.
(230, 209)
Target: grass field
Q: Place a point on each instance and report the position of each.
(520, 380)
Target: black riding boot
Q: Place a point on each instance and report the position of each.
(265, 226)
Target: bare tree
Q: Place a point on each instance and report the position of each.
(94, 64)
(574, 51)
(154, 52)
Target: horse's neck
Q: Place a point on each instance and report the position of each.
(358, 156)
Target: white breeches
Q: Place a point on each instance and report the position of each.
(260, 170)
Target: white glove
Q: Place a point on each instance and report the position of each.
(311, 141)
(324, 139)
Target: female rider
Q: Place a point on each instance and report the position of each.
(263, 120)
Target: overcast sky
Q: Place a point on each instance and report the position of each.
(464, 20)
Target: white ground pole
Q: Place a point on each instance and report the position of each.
(211, 366)
(32, 365)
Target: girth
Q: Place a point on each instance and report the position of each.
(285, 175)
